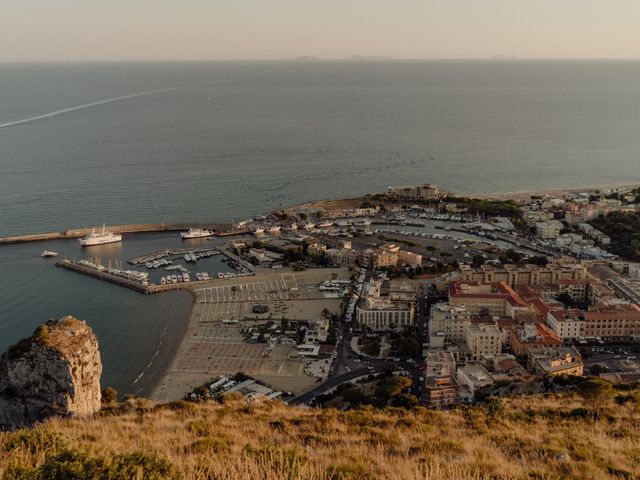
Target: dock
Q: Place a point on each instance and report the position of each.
(117, 280)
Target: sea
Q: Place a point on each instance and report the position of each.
(82, 144)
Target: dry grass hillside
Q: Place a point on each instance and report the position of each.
(544, 437)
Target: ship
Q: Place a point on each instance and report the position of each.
(196, 233)
(48, 253)
(100, 238)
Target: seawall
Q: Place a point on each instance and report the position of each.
(222, 229)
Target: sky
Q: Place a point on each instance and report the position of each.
(94, 30)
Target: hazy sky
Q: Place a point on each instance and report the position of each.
(36, 30)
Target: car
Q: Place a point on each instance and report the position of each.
(357, 360)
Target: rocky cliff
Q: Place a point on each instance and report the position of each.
(54, 372)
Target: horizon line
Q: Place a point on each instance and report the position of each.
(311, 58)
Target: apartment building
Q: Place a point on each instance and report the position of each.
(620, 320)
(449, 321)
(483, 340)
(418, 192)
(529, 275)
(393, 310)
(549, 230)
(410, 258)
(532, 336)
(567, 323)
(555, 361)
(492, 298)
(441, 389)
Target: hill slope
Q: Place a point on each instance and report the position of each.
(533, 437)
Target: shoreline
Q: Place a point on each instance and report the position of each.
(173, 385)
(520, 195)
(226, 229)
(153, 390)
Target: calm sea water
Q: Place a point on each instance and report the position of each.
(220, 141)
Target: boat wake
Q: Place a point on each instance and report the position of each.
(84, 106)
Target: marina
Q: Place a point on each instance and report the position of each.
(177, 277)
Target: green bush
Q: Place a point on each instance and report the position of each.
(41, 440)
(80, 465)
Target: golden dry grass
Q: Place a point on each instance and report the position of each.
(533, 437)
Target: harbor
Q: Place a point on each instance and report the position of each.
(178, 276)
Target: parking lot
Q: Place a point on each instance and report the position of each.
(278, 288)
(214, 343)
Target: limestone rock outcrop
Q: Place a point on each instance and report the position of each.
(55, 372)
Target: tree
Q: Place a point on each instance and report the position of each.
(390, 387)
(405, 400)
(109, 395)
(477, 261)
(566, 300)
(597, 393)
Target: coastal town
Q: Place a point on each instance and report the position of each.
(453, 298)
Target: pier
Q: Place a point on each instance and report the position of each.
(221, 230)
(171, 252)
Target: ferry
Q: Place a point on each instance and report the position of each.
(48, 253)
(95, 238)
(196, 233)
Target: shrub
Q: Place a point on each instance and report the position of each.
(80, 465)
(348, 471)
(34, 441)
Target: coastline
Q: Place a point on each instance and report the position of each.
(158, 389)
(524, 194)
(168, 364)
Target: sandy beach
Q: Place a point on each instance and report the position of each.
(523, 195)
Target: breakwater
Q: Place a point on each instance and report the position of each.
(221, 229)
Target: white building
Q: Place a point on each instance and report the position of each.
(483, 340)
(567, 323)
(448, 320)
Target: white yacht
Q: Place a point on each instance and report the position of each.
(100, 238)
(196, 233)
(48, 253)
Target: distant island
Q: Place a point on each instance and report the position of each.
(352, 57)
(369, 57)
